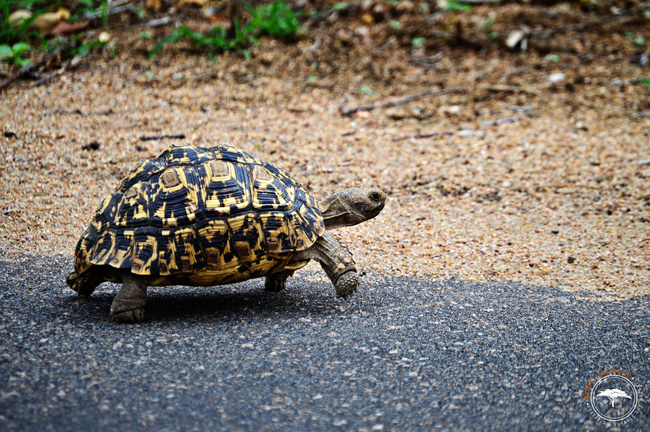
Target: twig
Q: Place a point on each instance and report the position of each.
(44, 79)
(111, 8)
(400, 101)
(427, 62)
(343, 100)
(61, 111)
(521, 108)
(503, 120)
(645, 162)
(159, 137)
(156, 22)
(427, 135)
(580, 26)
(31, 68)
(499, 88)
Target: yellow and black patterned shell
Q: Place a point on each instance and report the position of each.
(194, 208)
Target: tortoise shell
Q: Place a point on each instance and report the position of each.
(206, 215)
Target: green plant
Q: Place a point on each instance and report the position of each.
(454, 5)
(104, 14)
(76, 46)
(366, 90)
(275, 19)
(395, 25)
(13, 54)
(418, 41)
(645, 81)
(12, 34)
(216, 40)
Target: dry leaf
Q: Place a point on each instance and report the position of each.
(153, 4)
(67, 28)
(45, 23)
(17, 17)
(197, 3)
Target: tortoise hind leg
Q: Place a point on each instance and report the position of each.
(84, 284)
(275, 283)
(128, 305)
(337, 262)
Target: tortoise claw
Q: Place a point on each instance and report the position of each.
(134, 316)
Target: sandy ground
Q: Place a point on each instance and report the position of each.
(555, 197)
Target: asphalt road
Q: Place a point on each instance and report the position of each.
(403, 354)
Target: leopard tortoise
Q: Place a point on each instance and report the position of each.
(212, 216)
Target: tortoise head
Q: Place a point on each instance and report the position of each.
(351, 206)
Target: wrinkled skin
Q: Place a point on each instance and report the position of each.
(352, 206)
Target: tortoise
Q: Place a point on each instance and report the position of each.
(212, 216)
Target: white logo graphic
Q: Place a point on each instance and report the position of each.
(613, 398)
(614, 394)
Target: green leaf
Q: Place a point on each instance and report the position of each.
(553, 57)
(145, 35)
(454, 5)
(395, 25)
(140, 12)
(646, 81)
(339, 6)
(418, 42)
(6, 52)
(367, 91)
(639, 41)
(20, 48)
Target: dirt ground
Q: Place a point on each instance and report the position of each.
(536, 175)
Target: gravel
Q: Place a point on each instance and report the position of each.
(512, 179)
(404, 354)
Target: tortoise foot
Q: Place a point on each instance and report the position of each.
(346, 284)
(274, 284)
(134, 316)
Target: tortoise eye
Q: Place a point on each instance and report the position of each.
(374, 196)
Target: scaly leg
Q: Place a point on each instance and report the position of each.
(337, 262)
(276, 282)
(128, 305)
(85, 283)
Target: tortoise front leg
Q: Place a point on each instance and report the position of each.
(337, 262)
(128, 304)
(276, 282)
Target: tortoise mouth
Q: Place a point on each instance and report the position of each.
(375, 211)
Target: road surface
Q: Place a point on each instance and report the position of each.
(404, 354)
